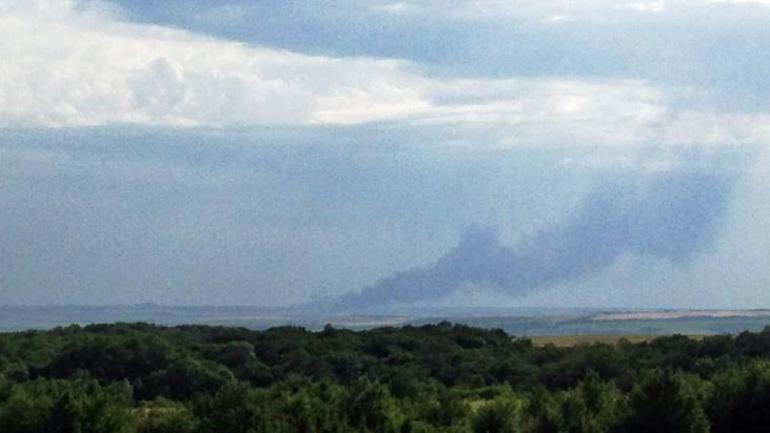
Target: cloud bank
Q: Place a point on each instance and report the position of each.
(671, 216)
(70, 63)
(553, 11)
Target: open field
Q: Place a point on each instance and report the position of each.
(683, 314)
(575, 340)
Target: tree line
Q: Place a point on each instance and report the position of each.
(141, 378)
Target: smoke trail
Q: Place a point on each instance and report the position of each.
(671, 216)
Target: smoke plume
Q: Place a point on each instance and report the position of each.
(671, 216)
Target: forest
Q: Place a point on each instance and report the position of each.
(142, 378)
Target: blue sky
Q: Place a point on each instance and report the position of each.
(267, 153)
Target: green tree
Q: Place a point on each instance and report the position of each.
(740, 402)
(504, 414)
(663, 401)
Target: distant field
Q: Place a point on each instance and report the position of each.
(575, 340)
(684, 314)
(579, 325)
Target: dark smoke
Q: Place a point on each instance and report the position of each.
(672, 216)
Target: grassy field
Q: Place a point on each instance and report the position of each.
(575, 340)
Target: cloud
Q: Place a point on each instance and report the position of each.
(742, 2)
(536, 10)
(397, 8)
(68, 63)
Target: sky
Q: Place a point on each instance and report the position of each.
(457, 153)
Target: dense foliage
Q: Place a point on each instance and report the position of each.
(140, 378)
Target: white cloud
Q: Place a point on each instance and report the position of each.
(647, 6)
(550, 11)
(397, 8)
(65, 64)
(542, 10)
(742, 2)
